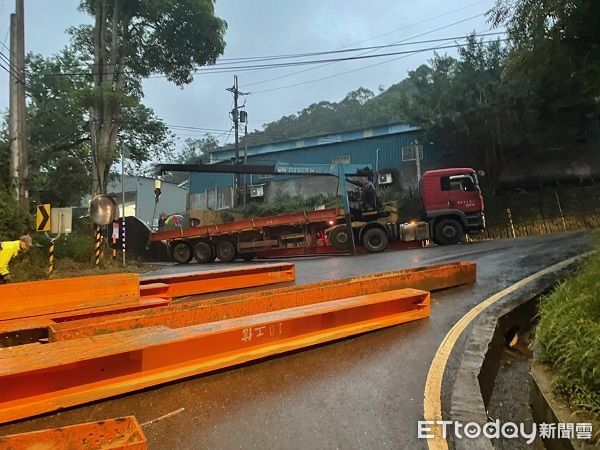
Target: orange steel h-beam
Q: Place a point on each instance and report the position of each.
(36, 298)
(194, 283)
(75, 372)
(428, 278)
(26, 309)
(123, 433)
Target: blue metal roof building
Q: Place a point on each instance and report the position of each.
(385, 148)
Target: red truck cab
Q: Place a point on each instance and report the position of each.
(452, 204)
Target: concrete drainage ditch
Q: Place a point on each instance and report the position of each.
(496, 340)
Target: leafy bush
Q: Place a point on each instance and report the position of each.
(568, 336)
(287, 204)
(78, 247)
(13, 223)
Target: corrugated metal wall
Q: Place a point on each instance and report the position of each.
(360, 151)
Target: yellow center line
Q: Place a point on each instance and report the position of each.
(432, 407)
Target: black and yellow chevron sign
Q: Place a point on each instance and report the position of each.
(42, 218)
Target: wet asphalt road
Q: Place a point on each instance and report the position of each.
(363, 392)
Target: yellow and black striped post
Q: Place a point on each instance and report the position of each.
(51, 258)
(97, 244)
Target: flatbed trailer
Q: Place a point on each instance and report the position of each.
(452, 206)
(303, 233)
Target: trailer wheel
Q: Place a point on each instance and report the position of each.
(248, 256)
(375, 240)
(448, 232)
(182, 253)
(226, 251)
(204, 252)
(340, 238)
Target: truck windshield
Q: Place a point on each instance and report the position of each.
(469, 183)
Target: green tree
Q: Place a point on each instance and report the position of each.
(553, 65)
(561, 34)
(360, 108)
(13, 222)
(59, 131)
(132, 40)
(194, 151)
(463, 101)
(197, 150)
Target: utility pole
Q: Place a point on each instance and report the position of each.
(17, 113)
(20, 68)
(236, 123)
(13, 113)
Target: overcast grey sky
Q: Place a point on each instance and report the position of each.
(267, 27)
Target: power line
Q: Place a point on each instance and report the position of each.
(355, 49)
(5, 38)
(242, 68)
(194, 128)
(364, 40)
(11, 60)
(401, 42)
(381, 35)
(227, 137)
(228, 61)
(12, 68)
(405, 54)
(421, 22)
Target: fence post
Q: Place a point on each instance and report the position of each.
(562, 217)
(510, 221)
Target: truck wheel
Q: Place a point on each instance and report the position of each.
(448, 232)
(226, 251)
(340, 238)
(375, 240)
(204, 252)
(182, 253)
(248, 256)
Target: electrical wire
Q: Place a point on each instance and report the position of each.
(356, 49)
(194, 128)
(246, 67)
(376, 37)
(404, 55)
(401, 42)
(10, 67)
(362, 41)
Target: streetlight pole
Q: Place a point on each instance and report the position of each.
(244, 118)
(418, 162)
(123, 147)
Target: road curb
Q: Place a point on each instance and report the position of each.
(483, 350)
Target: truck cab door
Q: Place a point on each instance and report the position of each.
(461, 192)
